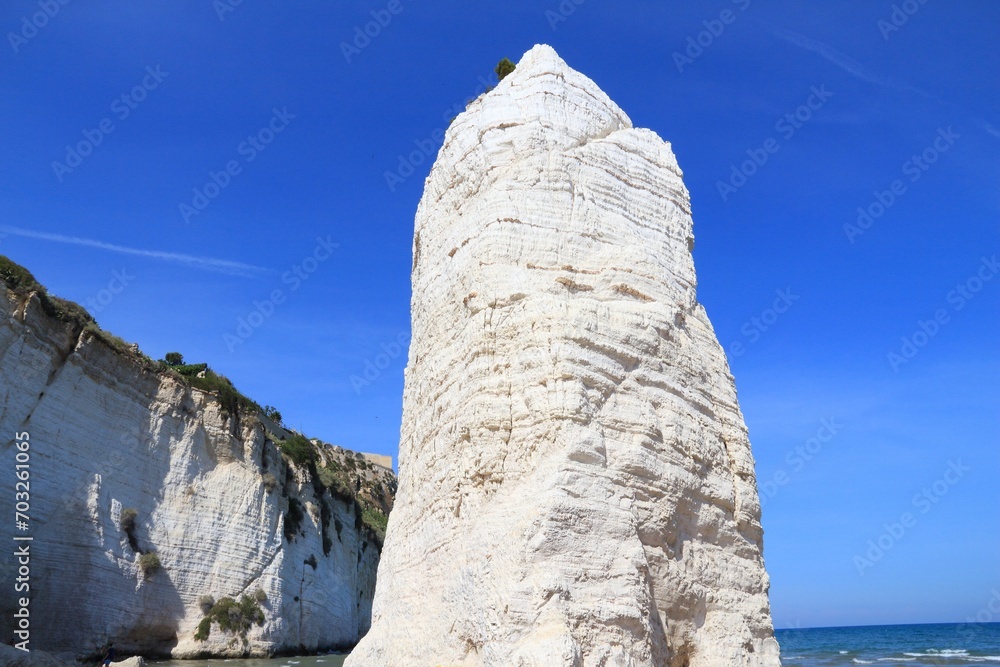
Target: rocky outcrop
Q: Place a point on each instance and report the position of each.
(576, 481)
(153, 503)
(12, 657)
(135, 661)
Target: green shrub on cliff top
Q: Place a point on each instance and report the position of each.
(229, 398)
(20, 281)
(272, 413)
(299, 450)
(190, 370)
(504, 67)
(17, 278)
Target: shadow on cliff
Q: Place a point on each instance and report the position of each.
(94, 578)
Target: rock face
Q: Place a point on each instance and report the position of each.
(12, 657)
(208, 492)
(576, 482)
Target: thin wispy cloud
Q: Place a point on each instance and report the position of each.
(205, 263)
(843, 61)
(859, 71)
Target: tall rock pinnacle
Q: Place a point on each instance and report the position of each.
(576, 482)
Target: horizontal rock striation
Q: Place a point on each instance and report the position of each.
(128, 460)
(576, 481)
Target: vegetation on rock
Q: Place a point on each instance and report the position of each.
(293, 518)
(272, 413)
(233, 617)
(504, 67)
(335, 474)
(20, 281)
(299, 449)
(270, 482)
(376, 520)
(149, 562)
(127, 523)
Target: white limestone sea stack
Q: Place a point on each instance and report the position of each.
(576, 481)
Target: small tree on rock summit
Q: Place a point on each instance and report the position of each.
(504, 67)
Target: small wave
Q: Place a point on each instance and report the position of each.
(951, 656)
(859, 661)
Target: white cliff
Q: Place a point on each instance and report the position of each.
(576, 482)
(111, 435)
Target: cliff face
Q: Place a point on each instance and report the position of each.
(126, 461)
(576, 482)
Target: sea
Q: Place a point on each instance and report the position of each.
(913, 645)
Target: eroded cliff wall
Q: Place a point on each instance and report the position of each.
(576, 481)
(210, 492)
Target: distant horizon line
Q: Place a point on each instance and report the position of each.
(887, 625)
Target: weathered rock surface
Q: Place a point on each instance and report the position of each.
(12, 657)
(212, 496)
(135, 661)
(576, 481)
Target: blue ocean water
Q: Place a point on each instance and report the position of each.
(916, 645)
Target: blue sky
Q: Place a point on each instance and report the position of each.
(300, 133)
